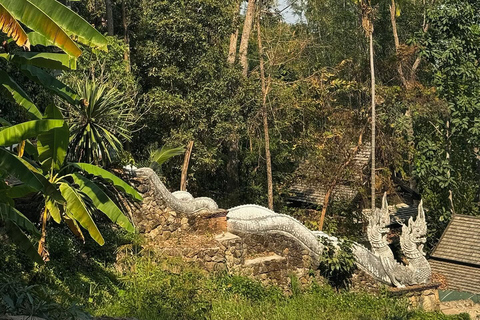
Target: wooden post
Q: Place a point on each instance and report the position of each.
(188, 153)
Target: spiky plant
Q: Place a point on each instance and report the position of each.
(98, 124)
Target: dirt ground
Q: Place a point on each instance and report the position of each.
(461, 306)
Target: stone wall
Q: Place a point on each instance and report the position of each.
(202, 239)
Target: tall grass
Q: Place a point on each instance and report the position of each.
(151, 287)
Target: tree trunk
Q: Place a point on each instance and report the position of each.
(333, 184)
(232, 51)
(186, 160)
(126, 40)
(397, 43)
(372, 73)
(406, 84)
(109, 10)
(268, 158)
(449, 174)
(247, 29)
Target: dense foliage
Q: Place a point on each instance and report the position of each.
(166, 81)
(149, 286)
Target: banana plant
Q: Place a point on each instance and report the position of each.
(72, 192)
(65, 189)
(76, 182)
(33, 181)
(53, 24)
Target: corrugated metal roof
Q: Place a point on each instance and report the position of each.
(461, 241)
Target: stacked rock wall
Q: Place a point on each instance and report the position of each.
(202, 238)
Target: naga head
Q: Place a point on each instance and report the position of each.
(380, 219)
(416, 230)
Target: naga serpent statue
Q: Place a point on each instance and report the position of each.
(379, 262)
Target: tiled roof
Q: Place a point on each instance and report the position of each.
(459, 277)
(457, 255)
(399, 213)
(461, 241)
(307, 190)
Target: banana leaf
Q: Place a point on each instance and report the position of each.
(18, 168)
(13, 29)
(35, 18)
(26, 130)
(102, 202)
(52, 145)
(50, 83)
(16, 94)
(73, 24)
(116, 181)
(76, 207)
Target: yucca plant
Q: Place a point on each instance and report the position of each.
(99, 124)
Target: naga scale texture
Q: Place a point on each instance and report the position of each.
(180, 201)
(379, 262)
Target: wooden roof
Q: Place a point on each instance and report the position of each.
(305, 189)
(459, 277)
(399, 213)
(461, 241)
(457, 255)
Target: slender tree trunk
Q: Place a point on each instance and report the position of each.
(372, 73)
(447, 156)
(397, 43)
(406, 84)
(42, 251)
(247, 29)
(333, 184)
(232, 51)
(109, 10)
(126, 40)
(268, 158)
(186, 160)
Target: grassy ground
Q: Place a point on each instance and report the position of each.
(80, 280)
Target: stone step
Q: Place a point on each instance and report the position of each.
(227, 237)
(274, 258)
(268, 268)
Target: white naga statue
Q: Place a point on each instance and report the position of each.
(379, 262)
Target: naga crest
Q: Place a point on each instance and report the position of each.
(378, 221)
(416, 230)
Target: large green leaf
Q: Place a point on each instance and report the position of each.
(37, 39)
(19, 191)
(116, 181)
(18, 168)
(51, 83)
(12, 28)
(53, 209)
(73, 226)
(76, 207)
(21, 240)
(52, 145)
(102, 202)
(47, 60)
(33, 17)
(162, 155)
(15, 93)
(73, 24)
(8, 213)
(26, 130)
